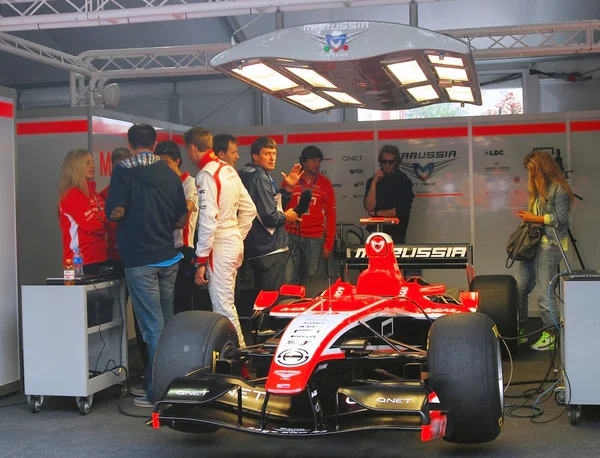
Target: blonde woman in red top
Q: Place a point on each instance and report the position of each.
(81, 211)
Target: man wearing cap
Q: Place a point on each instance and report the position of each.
(311, 240)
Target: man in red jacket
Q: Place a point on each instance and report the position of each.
(312, 239)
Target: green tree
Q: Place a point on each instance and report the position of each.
(438, 110)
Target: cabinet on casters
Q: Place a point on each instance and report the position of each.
(72, 337)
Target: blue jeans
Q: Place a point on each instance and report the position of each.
(152, 290)
(305, 258)
(536, 275)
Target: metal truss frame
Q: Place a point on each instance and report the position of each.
(92, 69)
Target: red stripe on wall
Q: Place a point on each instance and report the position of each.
(247, 140)
(330, 137)
(6, 110)
(450, 194)
(52, 127)
(162, 136)
(438, 132)
(520, 129)
(178, 138)
(585, 126)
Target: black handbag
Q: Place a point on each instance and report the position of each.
(522, 244)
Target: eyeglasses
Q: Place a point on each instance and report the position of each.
(388, 161)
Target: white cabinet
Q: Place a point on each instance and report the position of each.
(62, 355)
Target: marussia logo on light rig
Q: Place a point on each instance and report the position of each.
(335, 41)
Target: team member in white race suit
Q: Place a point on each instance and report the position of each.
(225, 218)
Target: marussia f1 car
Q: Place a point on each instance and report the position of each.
(386, 353)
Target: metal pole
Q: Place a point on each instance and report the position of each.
(413, 13)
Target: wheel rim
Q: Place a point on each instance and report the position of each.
(500, 376)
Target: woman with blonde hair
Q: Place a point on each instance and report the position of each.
(81, 211)
(550, 200)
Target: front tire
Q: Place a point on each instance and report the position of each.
(499, 299)
(187, 343)
(465, 369)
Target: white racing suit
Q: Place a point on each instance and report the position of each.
(226, 212)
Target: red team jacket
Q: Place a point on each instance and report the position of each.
(112, 232)
(320, 218)
(83, 225)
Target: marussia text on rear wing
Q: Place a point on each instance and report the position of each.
(432, 256)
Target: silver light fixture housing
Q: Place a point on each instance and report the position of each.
(375, 65)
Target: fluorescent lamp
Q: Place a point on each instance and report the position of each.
(455, 61)
(408, 72)
(311, 101)
(311, 77)
(423, 93)
(452, 74)
(460, 93)
(265, 76)
(342, 97)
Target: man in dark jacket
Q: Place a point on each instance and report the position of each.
(389, 194)
(147, 200)
(266, 247)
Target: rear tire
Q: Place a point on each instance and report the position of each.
(187, 343)
(499, 299)
(466, 373)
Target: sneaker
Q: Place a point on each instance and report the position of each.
(137, 390)
(143, 401)
(545, 342)
(523, 340)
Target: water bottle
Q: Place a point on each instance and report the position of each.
(78, 263)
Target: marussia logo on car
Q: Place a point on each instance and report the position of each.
(423, 252)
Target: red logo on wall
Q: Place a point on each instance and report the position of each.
(105, 164)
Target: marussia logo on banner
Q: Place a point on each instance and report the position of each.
(425, 172)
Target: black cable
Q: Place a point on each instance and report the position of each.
(222, 106)
(101, 351)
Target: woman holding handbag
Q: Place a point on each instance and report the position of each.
(550, 200)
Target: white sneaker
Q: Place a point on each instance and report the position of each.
(137, 390)
(143, 401)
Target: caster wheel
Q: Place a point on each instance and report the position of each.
(560, 397)
(574, 414)
(124, 390)
(84, 404)
(35, 403)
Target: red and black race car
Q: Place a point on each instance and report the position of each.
(386, 353)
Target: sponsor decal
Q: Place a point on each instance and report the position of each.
(191, 392)
(352, 158)
(361, 196)
(105, 164)
(292, 357)
(283, 385)
(336, 185)
(497, 168)
(201, 191)
(377, 244)
(356, 171)
(323, 172)
(422, 252)
(325, 159)
(335, 37)
(247, 393)
(322, 366)
(359, 184)
(428, 155)
(394, 400)
(387, 327)
(426, 171)
(286, 375)
(495, 152)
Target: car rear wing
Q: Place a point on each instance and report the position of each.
(431, 256)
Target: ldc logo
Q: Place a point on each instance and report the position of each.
(495, 152)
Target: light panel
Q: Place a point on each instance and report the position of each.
(454, 61)
(361, 63)
(343, 97)
(311, 77)
(408, 72)
(452, 74)
(423, 93)
(460, 93)
(266, 77)
(311, 101)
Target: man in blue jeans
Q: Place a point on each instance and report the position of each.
(146, 198)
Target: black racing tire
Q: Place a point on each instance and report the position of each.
(499, 299)
(187, 343)
(465, 371)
